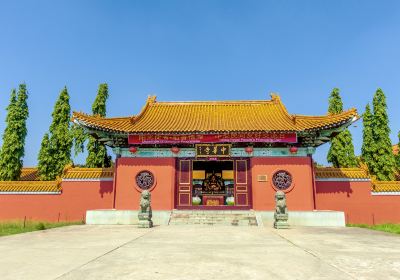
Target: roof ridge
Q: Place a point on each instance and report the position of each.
(89, 169)
(218, 102)
(324, 168)
(277, 100)
(329, 115)
(151, 99)
(99, 117)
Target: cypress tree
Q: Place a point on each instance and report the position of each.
(13, 149)
(384, 163)
(341, 152)
(79, 137)
(398, 155)
(45, 161)
(335, 102)
(55, 152)
(8, 159)
(97, 152)
(368, 146)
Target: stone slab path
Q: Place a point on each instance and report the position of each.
(200, 252)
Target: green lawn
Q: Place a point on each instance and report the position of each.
(14, 227)
(392, 228)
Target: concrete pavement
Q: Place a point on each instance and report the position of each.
(190, 252)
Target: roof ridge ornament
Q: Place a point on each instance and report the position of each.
(275, 97)
(294, 117)
(151, 99)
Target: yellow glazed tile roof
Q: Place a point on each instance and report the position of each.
(30, 183)
(29, 174)
(350, 173)
(386, 186)
(214, 116)
(356, 173)
(30, 186)
(89, 173)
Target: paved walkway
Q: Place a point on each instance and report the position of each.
(210, 253)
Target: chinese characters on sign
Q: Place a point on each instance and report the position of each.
(264, 137)
(213, 150)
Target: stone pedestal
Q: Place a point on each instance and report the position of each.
(281, 221)
(145, 224)
(145, 220)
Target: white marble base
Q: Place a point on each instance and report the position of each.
(307, 218)
(266, 218)
(123, 217)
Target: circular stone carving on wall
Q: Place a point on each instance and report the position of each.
(282, 180)
(145, 180)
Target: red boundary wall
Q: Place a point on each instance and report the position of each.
(70, 205)
(355, 199)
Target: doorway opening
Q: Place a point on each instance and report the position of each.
(213, 183)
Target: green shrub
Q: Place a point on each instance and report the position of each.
(40, 226)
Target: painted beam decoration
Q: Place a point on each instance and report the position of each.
(254, 137)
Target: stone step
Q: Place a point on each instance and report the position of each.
(193, 217)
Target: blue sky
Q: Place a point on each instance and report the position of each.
(199, 50)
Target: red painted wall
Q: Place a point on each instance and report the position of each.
(128, 196)
(71, 205)
(300, 198)
(355, 199)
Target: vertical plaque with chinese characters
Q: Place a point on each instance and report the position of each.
(213, 150)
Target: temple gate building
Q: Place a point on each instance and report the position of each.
(215, 154)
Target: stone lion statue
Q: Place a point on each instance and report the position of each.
(145, 201)
(281, 214)
(145, 213)
(280, 202)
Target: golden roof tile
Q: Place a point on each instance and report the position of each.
(386, 186)
(29, 174)
(30, 186)
(345, 173)
(89, 173)
(30, 183)
(214, 116)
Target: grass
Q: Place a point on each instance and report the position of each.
(392, 228)
(15, 227)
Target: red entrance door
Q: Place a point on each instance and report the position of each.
(184, 182)
(242, 183)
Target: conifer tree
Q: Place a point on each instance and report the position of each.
(97, 152)
(383, 159)
(13, 149)
(45, 161)
(398, 154)
(341, 152)
(8, 168)
(335, 102)
(55, 152)
(368, 146)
